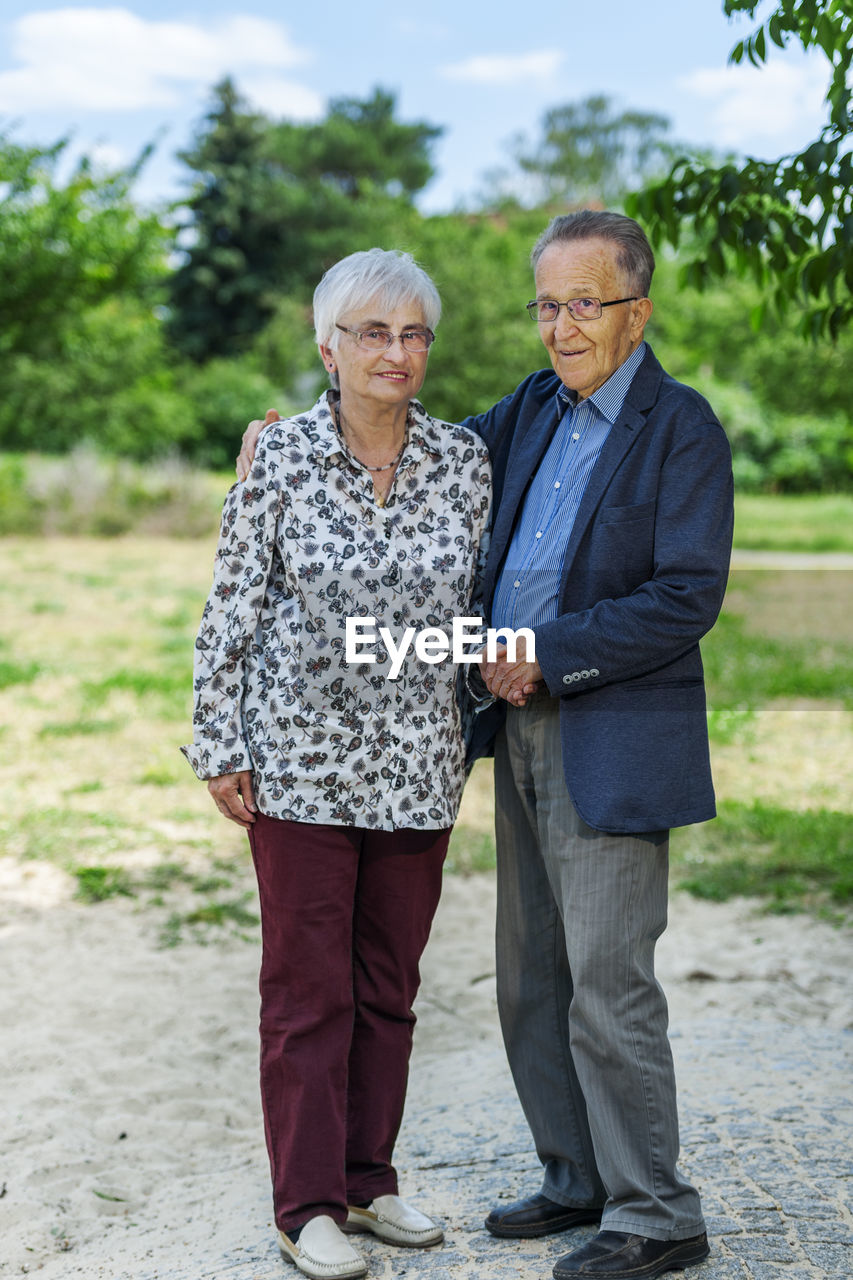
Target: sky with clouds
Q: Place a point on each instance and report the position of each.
(119, 75)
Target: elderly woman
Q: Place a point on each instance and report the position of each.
(360, 514)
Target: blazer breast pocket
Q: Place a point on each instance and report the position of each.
(622, 547)
(643, 511)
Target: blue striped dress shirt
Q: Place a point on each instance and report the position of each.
(529, 582)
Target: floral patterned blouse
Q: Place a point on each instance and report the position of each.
(303, 546)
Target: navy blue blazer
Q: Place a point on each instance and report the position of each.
(643, 580)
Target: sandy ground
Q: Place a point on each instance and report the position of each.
(130, 1132)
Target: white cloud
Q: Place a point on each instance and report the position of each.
(111, 59)
(504, 69)
(106, 157)
(772, 104)
(274, 96)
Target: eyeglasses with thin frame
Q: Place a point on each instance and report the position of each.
(374, 339)
(546, 310)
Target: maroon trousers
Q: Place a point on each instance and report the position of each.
(345, 916)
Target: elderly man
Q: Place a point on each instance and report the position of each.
(611, 541)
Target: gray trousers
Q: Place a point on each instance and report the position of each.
(584, 1019)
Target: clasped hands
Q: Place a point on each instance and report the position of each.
(514, 679)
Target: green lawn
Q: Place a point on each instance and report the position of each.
(803, 523)
(95, 654)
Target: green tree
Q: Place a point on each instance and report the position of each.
(67, 246)
(485, 342)
(588, 152)
(788, 223)
(359, 149)
(224, 290)
(275, 204)
(81, 274)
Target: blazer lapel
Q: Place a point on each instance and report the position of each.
(523, 460)
(642, 394)
(621, 436)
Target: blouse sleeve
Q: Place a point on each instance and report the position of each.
(482, 497)
(229, 620)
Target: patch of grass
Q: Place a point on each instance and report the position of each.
(742, 669)
(730, 724)
(211, 884)
(470, 851)
(12, 672)
(794, 522)
(158, 776)
(232, 915)
(72, 837)
(141, 683)
(234, 911)
(165, 875)
(129, 609)
(792, 859)
(96, 884)
(78, 728)
(171, 930)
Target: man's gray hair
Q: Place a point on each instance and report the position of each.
(386, 278)
(635, 257)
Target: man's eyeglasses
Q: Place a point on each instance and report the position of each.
(546, 310)
(412, 340)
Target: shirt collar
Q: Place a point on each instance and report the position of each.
(609, 399)
(423, 437)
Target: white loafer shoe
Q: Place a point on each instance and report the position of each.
(322, 1250)
(394, 1221)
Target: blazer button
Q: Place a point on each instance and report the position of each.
(594, 671)
(567, 679)
(584, 675)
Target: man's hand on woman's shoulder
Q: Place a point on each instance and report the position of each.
(246, 456)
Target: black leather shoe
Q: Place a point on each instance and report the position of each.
(538, 1216)
(615, 1256)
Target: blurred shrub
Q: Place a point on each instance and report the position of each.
(110, 383)
(89, 494)
(778, 452)
(221, 396)
(116, 387)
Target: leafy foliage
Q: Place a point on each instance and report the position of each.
(89, 494)
(485, 343)
(222, 293)
(789, 222)
(89, 357)
(784, 402)
(274, 205)
(66, 246)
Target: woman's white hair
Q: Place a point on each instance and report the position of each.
(384, 277)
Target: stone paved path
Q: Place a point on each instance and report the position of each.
(766, 1139)
(766, 1109)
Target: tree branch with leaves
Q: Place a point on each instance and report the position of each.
(788, 223)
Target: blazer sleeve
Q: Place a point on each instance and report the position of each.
(622, 636)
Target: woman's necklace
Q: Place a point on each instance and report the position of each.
(375, 470)
(380, 495)
(386, 466)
